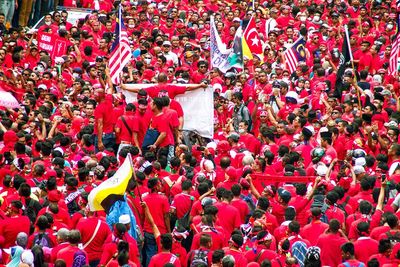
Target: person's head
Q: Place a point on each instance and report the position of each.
(205, 241)
(334, 226)
(363, 229)
(74, 237)
(166, 241)
(228, 261)
(347, 251)
(385, 247)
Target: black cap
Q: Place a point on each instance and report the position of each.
(306, 132)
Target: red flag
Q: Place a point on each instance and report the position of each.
(252, 38)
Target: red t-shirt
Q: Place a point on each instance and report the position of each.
(10, 227)
(364, 247)
(330, 244)
(68, 253)
(352, 263)
(242, 207)
(182, 203)
(133, 123)
(313, 230)
(173, 90)
(229, 217)
(87, 228)
(104, 111)
(158, 205)
(161, 124)
(162, 258)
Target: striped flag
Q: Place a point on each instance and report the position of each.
(394, 53)
(295, 54)
(108, 192)
(120, 50)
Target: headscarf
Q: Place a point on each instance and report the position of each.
(15, 253)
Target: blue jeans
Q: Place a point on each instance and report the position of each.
(149, 248)
(108, 141)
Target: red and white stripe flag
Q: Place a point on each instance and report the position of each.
(120, 52)
(394, 56)
(295, 54)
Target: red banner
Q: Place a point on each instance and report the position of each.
(53, 44)
(46, 42)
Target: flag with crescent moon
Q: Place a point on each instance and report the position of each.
(252, 43)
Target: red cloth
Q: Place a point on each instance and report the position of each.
(159, 206)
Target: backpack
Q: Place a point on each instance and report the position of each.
(42, 240)
(30, 211)
(393, 238)
(200, 257)
(346, 264)
(299, 251)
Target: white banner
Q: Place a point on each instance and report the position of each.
(197, 105)
(219, 53)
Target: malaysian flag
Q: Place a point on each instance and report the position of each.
(295, 54)
(394, 53)
(120, 50)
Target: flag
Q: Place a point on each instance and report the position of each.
(120, 50)
(112, 189)
(295, 54)
(394, 53)
(219, 53)
(252, 40)
(345, 57)
(236, 56)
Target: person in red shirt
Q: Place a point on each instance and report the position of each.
(98, 229)
(127, 135)
(384, 249)
(349, 260)
(315, 228)
(159, 207)
(228, 215)
(330, 243)
(239, 203)
(263, 250)
(233, 249)
(104, 118)
(62, 242)
(165, 256)
(364, 246)
(160, 124)
(13, 224)
(173, 90)
(72, 253)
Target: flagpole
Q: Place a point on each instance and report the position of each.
(346, 31)
(119, 38)
(134, 176)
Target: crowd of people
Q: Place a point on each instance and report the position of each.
(303, 168)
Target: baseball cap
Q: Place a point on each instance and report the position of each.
(284, 194)
(359, 169)
(166, 43)
(124, 219)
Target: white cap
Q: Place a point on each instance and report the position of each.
(124, 219)
(359, 169)
(360, 161)
(322, 169)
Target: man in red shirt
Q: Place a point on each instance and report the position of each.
(348, 257)
(160, 124)
(364, 246)
(72, 253)
(127, 128)
(13, 224)
(315, 228)
(104, 118)
(159, 209)
(173, 90)
(165, 256)
(94, 232)
(229, 216)
(62, 240)
(330, 243)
